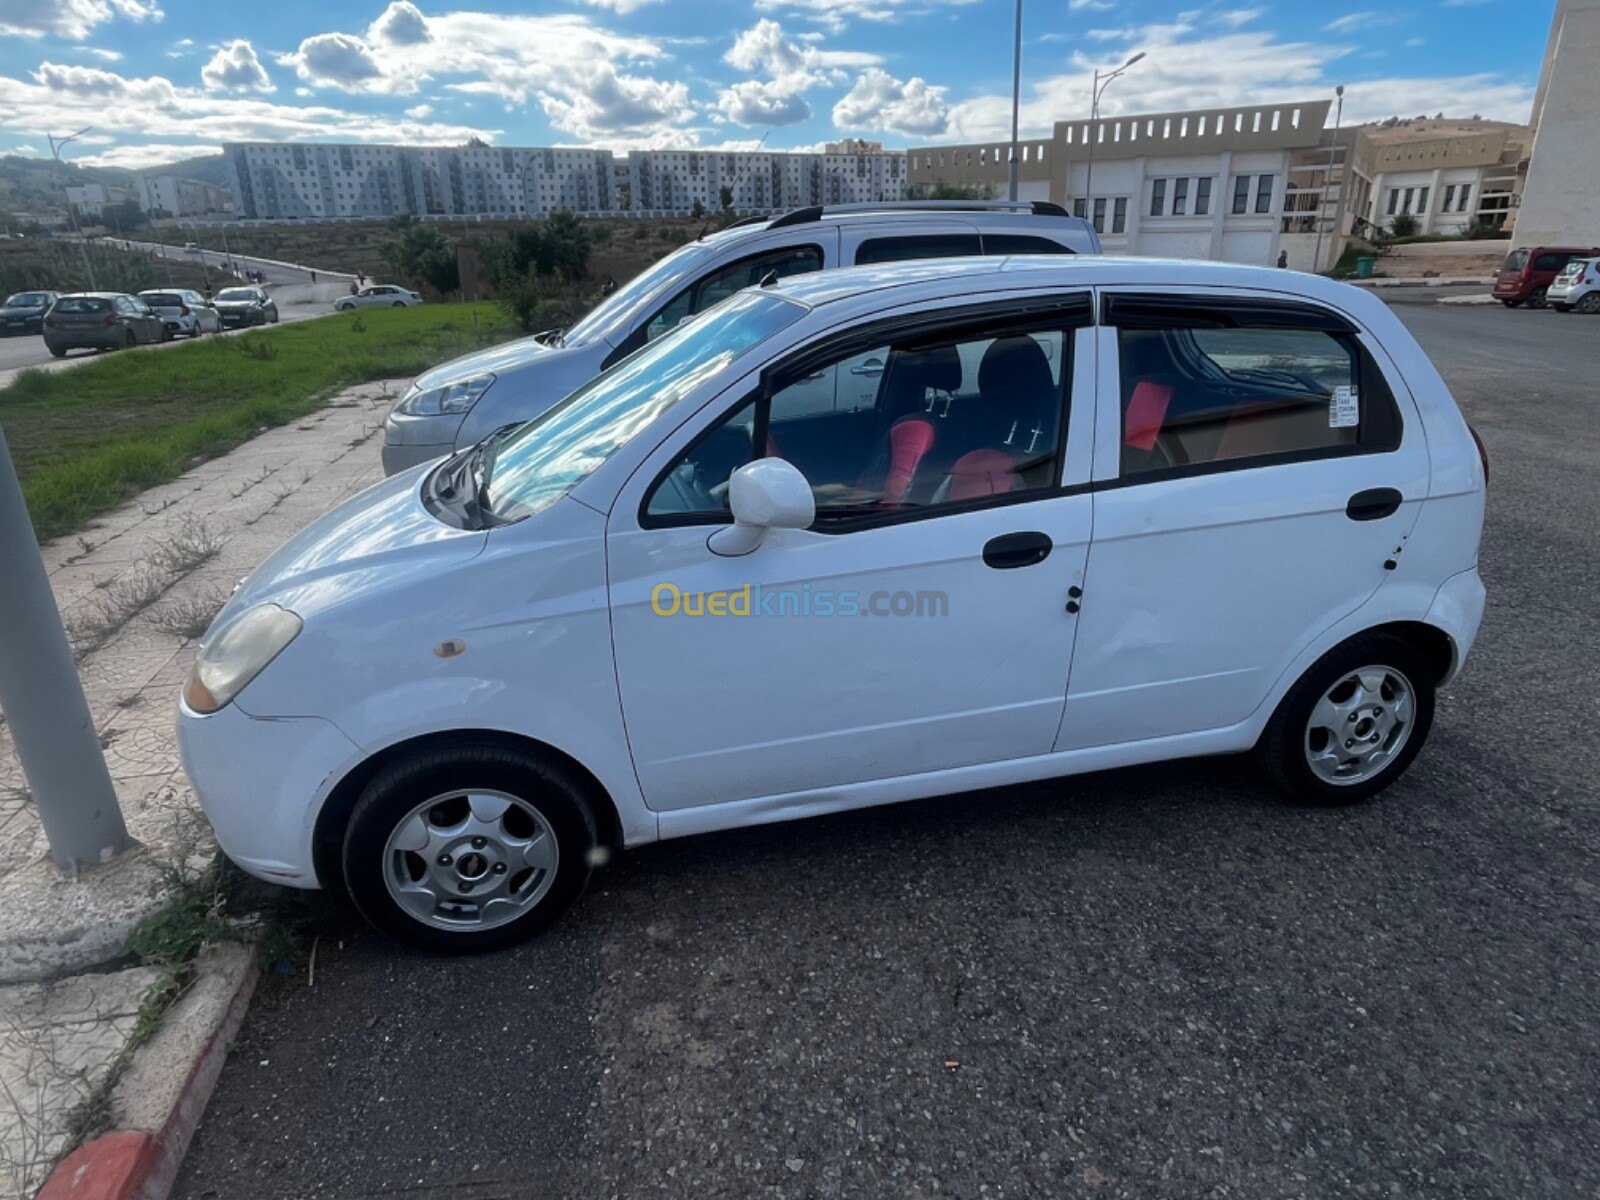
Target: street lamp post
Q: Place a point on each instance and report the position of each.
(1327, 178)
(1100, 86)
(1016, 99)
(55, 153)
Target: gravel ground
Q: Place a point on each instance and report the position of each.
(1161, 982)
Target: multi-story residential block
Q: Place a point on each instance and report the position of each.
(180, 197)
(275, 180)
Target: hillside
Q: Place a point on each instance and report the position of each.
(36, 184)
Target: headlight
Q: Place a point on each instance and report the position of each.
(238, 653)
(451, 398)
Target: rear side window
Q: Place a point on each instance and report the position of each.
(928, 245)
(1549, 262)
(1199, 395)
(1516, 260)
(1022, 243)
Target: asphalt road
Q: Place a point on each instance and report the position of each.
(1160, 982)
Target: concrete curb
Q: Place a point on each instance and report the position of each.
(157, 1104)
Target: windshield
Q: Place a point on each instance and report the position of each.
(553, 453)
(162, 299)
(237, 294)
(618, 314)
(27, 300)
(83, 304)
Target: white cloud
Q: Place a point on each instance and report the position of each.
(103, 54)
(181, 48)
(73, 19)
(880, 102)
(419, 112)
(836, 14)
(235, 68)
(339, 60)
(1090, 5)
(1233, 18)
(1413, 43)
(622, 7)
(792, 66)
(1351, 22)
(146, 154)
(608, 105)
(401, 24)
(1461, 3)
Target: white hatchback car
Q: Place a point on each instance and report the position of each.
(1091, 512)
(1576, 287)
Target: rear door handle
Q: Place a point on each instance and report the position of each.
(1012, 550)
(1373, 504)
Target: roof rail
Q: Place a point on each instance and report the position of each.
(753, 219)
(815, 212)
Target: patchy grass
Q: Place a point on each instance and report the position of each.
(88, 438)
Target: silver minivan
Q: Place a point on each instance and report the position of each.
(461, 402)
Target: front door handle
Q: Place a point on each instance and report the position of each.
(1373, 504)
(1011, 550)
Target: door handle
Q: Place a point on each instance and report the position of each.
(1012, 550)
(1373, 504)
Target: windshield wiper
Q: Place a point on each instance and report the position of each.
(481, 467)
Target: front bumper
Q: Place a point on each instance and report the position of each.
(261, 782)
(13, 328)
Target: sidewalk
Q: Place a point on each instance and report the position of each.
(136, 590)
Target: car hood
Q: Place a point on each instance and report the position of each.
(494, 360)
(383, 537)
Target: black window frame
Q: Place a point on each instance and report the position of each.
(1202, 196)
(1119, 215)
(1158, 197)
(1180, 196)
(1241, 195)
(1054, 314)
(1024, 243)
(1266, 185)
(1381, 429)
(857, 260)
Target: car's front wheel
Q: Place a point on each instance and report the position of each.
(1589, 303)
(1352, 724)
(469, 848)
(1561, 308)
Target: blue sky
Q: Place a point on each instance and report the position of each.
(164, 79)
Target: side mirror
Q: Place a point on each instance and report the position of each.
(769, 493)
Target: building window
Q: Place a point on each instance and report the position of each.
(1394, 198)
(1449, 198)
(1158, 197)
(1264, 193)
(1422, 200)
(1241, 195)
(1100, 215)
(1466, 194)
(1180, 197)
(1080, 208)
(1202, 196)
(1119, 215)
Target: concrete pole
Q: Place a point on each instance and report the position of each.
(44, 702)
(1016, 100)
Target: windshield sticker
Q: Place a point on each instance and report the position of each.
(1344, 408)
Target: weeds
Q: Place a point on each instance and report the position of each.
(262, 349)
(188, 617)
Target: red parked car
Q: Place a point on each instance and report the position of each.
(1527, 274)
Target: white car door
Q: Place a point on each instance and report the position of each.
(1256, 476)
(889, 639)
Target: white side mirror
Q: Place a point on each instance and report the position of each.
(769, 493)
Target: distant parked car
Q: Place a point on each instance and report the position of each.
(185, 312)
(100, 321)
(191, 247)
(24, 312)
(240, 306)
(1577, 287)
(379, 293)
(1527, 274)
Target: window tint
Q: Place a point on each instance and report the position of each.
(83, 304)
(1192, 396)
(947, 421)
(1515, 261)
(1549, 262)
(931, 245)
(725, 281)
(163, 299)
(1022, 243)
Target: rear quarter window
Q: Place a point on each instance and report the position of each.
(927, 245)
(1516, 260)
(1022, 243)
(1549, 262)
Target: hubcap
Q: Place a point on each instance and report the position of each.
(1359, 725)
(470, 860)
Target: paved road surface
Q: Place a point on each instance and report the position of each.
(1162, 982)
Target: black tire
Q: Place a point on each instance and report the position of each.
(1282, 749)
(398, 789)
(1538, 299)
(1589, 303)
(1511, 303)
(1561, 308)
(398, 304)
(57, 351)
(130, 339)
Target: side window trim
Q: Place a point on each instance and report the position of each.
(1142, 310)
(1067, 315)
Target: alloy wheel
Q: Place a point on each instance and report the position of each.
(1589, 303)
(1360, 725)
(471, 860)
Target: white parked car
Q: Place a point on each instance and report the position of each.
(1095, 512)
(186, 313)
(1576, 287)
(384, 294)
(452, 406)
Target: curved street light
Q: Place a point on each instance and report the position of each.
(1327, 178)
(55, 153)
(1100, 85)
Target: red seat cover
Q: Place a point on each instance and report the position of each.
(909, 441)
(981, 473)
(1147, 411)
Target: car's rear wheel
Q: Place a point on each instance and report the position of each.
(469, 848)
(1511, 303)
(398, 304)
(58, 351)
(1353, 723)
(1589, 303)
(1537, 300)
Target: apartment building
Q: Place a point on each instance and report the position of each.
(1247, 184)
(180, 197)
(1560, 205)
(277, 180)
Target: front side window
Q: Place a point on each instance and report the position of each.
(1194, 396)
(550, 455)
(947, 419)
(725, 281)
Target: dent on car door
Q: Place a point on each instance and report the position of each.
(962, 563)
(1238, 437)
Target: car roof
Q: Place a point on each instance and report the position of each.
(1046, 270)
(997, 214)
